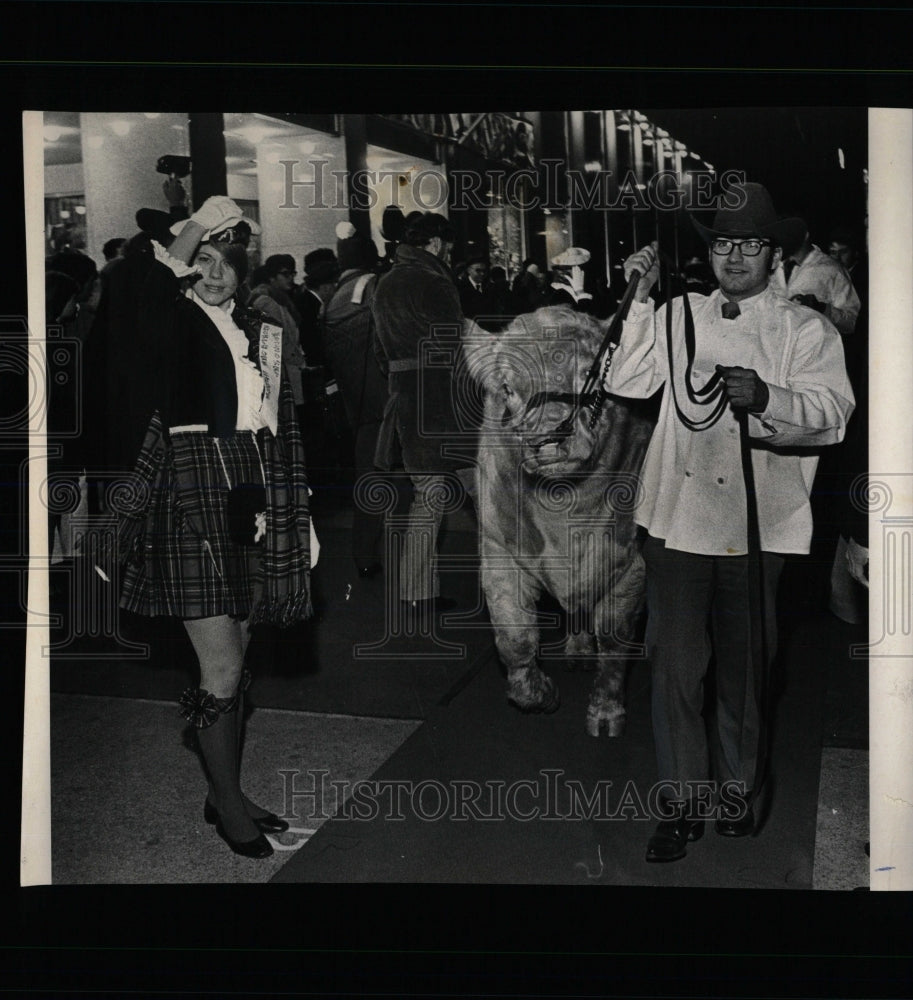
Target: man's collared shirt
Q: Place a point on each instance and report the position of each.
(693, 488)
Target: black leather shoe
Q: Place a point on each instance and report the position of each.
(736, 817)
(671, 836)
(270, 823)
(259, 847)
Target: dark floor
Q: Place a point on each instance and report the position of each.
(337, 700)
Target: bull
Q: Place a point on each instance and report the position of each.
(557, 486)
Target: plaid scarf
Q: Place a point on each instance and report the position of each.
(287, 546)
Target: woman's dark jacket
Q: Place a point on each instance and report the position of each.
(142, 357)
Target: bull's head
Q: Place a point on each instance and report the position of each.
(532, 373)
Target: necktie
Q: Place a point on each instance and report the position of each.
(730, 310)
(788, 267)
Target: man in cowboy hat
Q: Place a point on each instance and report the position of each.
(780, 373)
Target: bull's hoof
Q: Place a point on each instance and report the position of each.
(597, 721)
(548, 708)
(537, 698)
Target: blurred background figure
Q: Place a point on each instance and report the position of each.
(271, 293)
(847, 248)
(473, 287)
(61, 303)
(501, 298)
(349, 344)
(321, 270)
(393, 228)
(567, 284)
(113, 251)
(528, 288)
(698, 276)
(810, 276)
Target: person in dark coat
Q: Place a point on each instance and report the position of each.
(393, 227)
(501, 299)
(528, 288)
(349, 346)
(321, 270)
(415, 302)
(475, 299)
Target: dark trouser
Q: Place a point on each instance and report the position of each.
(367, 525)
(698, 605)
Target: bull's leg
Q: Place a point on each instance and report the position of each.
(511, 595)
(617, 618)
(580, 643)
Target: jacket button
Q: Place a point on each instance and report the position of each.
(721, 480)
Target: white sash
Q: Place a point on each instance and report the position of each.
(271, 370)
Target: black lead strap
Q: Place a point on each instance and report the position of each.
(757, 638)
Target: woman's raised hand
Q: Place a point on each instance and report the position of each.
(216, 210)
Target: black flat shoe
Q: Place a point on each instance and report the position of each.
(736, 817)
(270, 823)
(259, 847)
(671, 836)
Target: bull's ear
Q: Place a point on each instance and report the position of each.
(478, 345)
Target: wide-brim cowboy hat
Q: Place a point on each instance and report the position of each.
(748, 210)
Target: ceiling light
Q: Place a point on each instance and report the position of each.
(121, 127)
(307, 147)
(152, 114)
(253, 133)
(80, 209)
(53, 132)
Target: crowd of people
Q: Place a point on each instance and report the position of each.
(237, 400)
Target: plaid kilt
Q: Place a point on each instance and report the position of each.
(173, 533)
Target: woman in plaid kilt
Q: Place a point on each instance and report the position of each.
(215, 525)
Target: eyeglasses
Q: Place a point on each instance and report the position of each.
(747, 248)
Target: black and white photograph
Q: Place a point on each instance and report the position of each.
(457, 497)
(457, 462)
